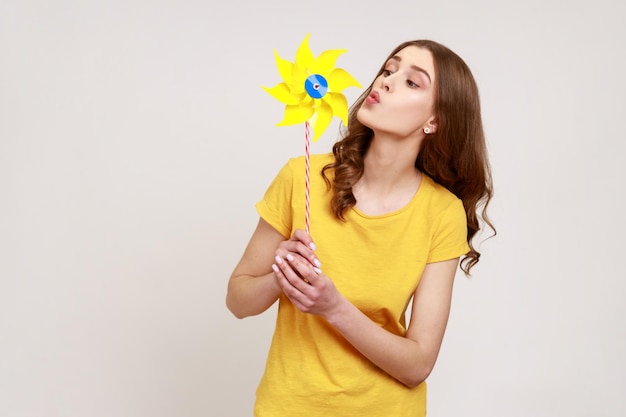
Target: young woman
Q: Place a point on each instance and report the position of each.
(395, 206)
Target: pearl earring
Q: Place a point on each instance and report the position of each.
(427, 130)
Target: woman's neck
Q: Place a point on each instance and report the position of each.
(389, 164)
(389, 180)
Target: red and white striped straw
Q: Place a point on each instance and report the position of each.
(307, 146)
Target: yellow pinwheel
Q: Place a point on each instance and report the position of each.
(312, 88)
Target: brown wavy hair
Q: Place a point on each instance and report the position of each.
(455, 155)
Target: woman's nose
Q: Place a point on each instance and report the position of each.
(387, 83)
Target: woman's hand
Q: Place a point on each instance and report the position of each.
(297, 272)
(300, 245)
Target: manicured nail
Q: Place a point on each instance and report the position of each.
(312, 246)
(274, 267)
(317, 262)
(278, 260)
(290, 258)
(318, 271)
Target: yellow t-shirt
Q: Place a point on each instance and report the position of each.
(374, 261)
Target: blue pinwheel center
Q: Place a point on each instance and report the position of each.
(316, 86)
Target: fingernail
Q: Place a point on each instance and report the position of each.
(318, 271)
(289, 257)
(312, 246)
(317, 262)
(274, 267)
(278, 260)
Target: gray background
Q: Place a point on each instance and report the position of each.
(135, 139)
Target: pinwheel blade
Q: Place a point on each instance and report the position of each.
(339, 106)
(325, 62)
(285, 68)
(282, 93)
(324, 116)
(339, 79)
(296, 114)
(304, 56)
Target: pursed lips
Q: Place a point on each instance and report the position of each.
(373, 98)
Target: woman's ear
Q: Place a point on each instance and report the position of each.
(432, 125)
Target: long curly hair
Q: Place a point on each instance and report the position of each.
(455, 155)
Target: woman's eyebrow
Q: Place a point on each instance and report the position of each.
(414, 67)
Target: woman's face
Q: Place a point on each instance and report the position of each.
(401, 99)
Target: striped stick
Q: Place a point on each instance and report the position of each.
(307, 146)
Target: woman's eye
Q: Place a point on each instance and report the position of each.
(386, 73)
(411, 84)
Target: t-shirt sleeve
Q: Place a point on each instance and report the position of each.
(450, 234)
(276, 205)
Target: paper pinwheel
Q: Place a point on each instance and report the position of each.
(312, 92)
(312, 88)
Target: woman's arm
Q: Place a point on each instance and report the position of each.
(252, 288)
(409, 359)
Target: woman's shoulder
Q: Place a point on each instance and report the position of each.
(436, 193)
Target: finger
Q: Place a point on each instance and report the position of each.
(304, 237)
(292, 293)
(298, 248)
(286, 271)
(308, 243)
(280, 278)
(292, 285)
(307, 273)
(292, 275)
